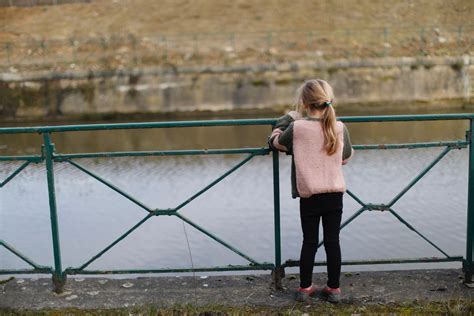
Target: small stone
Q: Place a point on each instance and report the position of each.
(127, 285)
(379, 289)
(20, 281)
(103, 281)
(93, 293)
(72, 297)
(203, 276)
(23, 288)
(348, 274)
(273, 51)
(205, 285)
(79, 279)
(292, 277)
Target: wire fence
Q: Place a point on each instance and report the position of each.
(130, 50)
(31, 3)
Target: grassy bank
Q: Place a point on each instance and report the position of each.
(453, 307)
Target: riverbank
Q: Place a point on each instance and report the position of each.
(432, 291)
(365, 84)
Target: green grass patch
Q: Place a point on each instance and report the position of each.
(453, 307)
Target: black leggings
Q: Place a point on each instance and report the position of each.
(329, 207)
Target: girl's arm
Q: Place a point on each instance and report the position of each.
(282, 136)
(347, 151)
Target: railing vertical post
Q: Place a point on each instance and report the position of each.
(468, 264)
(279, 271)
(59, 278)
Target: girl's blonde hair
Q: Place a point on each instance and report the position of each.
(317, 94)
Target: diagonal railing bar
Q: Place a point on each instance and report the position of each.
(202, 230)
(213, 183)
(356, 198)
(417, 232)
(15, 173)
(116, 241)
(350, 219)
(419, 176)
(20, 255)
(110, 185)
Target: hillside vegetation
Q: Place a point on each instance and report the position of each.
(119, 33)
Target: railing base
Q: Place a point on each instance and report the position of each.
(58, 282)
(278, 274)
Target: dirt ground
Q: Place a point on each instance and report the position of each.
(123, 33)
(419, 291)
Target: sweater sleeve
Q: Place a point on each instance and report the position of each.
(347, 151)
(282, 135)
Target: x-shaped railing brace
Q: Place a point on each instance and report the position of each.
(170, 212)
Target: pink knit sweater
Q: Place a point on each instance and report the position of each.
(316, 171)
(313, 169)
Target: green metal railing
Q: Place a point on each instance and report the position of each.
(49, 156)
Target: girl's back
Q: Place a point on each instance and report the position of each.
(316, 171)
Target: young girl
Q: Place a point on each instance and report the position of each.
(320, 145)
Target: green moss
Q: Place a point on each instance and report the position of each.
(87, 90)
(260, 83)
(457, 66)
(283, 81)
(332, 70)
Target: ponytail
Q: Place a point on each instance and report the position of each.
(328, 122)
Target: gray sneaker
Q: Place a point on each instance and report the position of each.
(332, 295)
(304, 294)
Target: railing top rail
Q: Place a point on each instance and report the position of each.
(240, 122)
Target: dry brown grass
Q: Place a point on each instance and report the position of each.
(124, 33)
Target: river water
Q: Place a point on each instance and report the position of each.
(239, 209)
